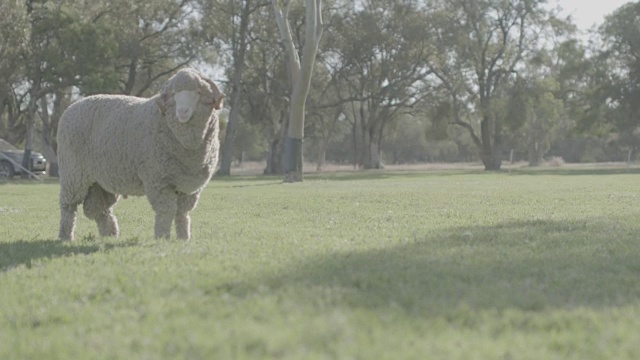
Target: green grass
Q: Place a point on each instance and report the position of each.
(371, 265)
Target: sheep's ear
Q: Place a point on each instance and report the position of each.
(161, 104)
(217, 94)
(162, 100)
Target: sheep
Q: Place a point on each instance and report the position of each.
(164, 147)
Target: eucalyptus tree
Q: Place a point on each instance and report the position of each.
(229, 25)
(379, 50)
(535, 111)
(264, 88)
(547, 92)
(327, 109)
(155, 38)
(265, 85)
(300, 72)
(615, 106)
(119, 46)
(65, 48)
(481, 45)
(14, 35)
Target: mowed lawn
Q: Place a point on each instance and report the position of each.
(367, 265)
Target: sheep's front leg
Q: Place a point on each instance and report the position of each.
(186, 203)
(165, 204)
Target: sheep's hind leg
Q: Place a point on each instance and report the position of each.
(98, 206)
(186, 203)
(67, 221)
(70, 197)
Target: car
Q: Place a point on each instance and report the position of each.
(11, 161)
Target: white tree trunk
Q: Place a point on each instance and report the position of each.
(300, 73)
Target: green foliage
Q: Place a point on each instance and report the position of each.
(74, 51)
(481, 45)
(451, 265)
(406, 141)
(534, 111)
(14, 35)
(617, 81)
(378, 54)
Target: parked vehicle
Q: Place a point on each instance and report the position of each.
(11, 161)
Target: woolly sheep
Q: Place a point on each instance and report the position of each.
(164, 147)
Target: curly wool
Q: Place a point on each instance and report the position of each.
(115, 144)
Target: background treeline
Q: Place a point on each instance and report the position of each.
(396, 81)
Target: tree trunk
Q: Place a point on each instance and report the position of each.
(371, 144)
(14, 131)
(491, 145)
(33, 96)
(534, 154)
(293, 144)
(45, 135)
(293, 160)
(274, 158)
(4, 96)
(322, 153)
(275, 161)
(50, 126)
(238, 70)
(28, 147)
(372, 158)
(354, 138)
(300, 73)
(226, 156)
(491, 158)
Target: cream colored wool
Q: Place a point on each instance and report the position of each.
(111, 145)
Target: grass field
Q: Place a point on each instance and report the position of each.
(369, 265)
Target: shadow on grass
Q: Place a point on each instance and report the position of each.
(531, 266)
(25, 253)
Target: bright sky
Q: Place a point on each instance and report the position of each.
(586, 13)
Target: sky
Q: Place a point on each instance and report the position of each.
(586, 13)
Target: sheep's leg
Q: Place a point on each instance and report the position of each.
(164, 204)
(186, 203)
(70, 197)
(98, 206)
(67, 221)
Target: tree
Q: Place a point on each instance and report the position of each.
(266, 87)
(616, 88)
(65, 49)
(121, 46)
(14, 33)
(480, 46)
(155, 38)
(380, 54)
(300, 73)
(535, 108)
(231, 21)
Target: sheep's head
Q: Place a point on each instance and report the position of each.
(186, 90)
(194, 100)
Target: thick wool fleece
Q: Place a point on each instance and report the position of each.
(114, 144)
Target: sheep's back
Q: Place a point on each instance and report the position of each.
(103, 137)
